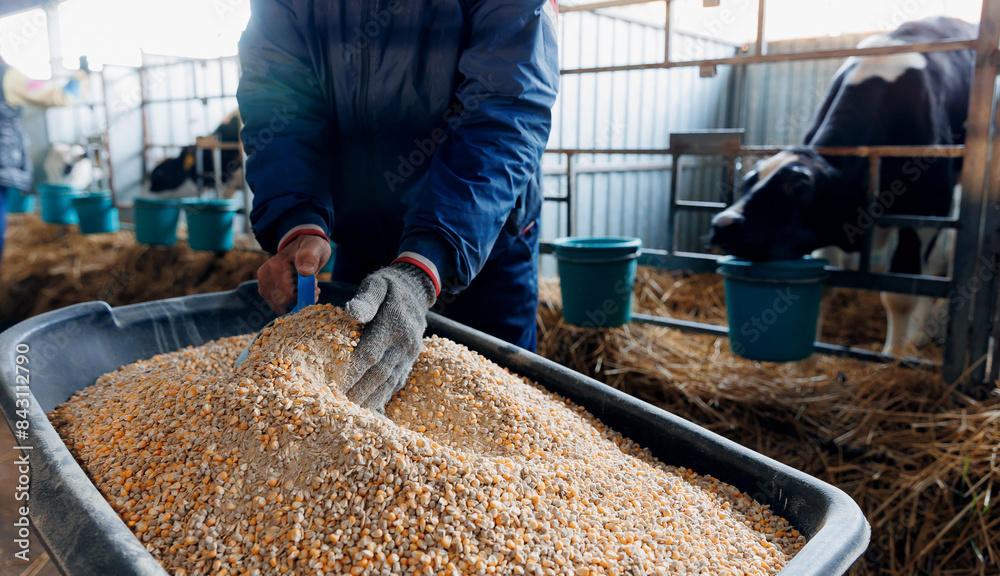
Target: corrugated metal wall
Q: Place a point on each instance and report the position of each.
(778, 100)
(615, 194)
(773, 103)
(627, 194)
(187, 100)
(184, 100)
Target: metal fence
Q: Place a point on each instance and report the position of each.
(623, 194)
(971, 292)
(146, 114)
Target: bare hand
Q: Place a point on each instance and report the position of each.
(276, 279)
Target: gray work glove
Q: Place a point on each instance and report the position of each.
(392, 304)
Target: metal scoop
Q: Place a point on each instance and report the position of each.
(305, 296)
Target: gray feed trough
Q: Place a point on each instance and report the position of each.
(69, 348)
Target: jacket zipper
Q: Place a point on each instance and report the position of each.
(364, 113)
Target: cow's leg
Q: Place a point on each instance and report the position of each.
(837, 259)
(904, 256)
(918, 252)
(899, 308)
(926, 325)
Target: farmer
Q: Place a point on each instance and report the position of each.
(411, 135)
(16, 91)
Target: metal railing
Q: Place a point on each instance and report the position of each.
(970, 327)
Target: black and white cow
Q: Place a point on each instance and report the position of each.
(69, 164)
(178, 176)
(798, 201)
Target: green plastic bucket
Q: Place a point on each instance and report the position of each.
(773, 307)
(596, 277)
(18, 202)
(210, 224)
(156, 221)
(57, 203)
(95, 213)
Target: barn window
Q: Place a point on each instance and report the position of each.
(24, 43)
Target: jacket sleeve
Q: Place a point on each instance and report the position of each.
(19, 90)
(491, 149)
(285, 127)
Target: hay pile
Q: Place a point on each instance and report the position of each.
(47, 266)
(920, 459)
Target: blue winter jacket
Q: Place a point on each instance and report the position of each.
(398, 125)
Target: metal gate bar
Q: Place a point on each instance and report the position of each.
(974, 179)
(819, 347)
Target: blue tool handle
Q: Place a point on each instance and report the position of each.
(306, 293)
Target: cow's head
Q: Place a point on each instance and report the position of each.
(171, 173)
(791, 205)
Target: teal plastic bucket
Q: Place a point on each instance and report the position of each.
(95, 213)
(156, 221)
(57, 203)
(210, 224)
(328, 267)
(773, 307)
(18, 202)
(596, 276)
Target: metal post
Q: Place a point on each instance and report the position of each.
(675, 169)
(992, 242)
(199, 170)
(974, 175)
(761, 47)
(217, 171)
(146, 140)
(570, 190)
(986, 325)
(874, 183)
(107, 136)
(666, 32)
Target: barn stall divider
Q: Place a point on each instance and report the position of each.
(140, 115)
(970, 354)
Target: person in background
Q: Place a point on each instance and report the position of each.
(17, 91)
(410, 134)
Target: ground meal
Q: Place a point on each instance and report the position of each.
(269, 469)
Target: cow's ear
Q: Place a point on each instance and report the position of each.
(189, 160)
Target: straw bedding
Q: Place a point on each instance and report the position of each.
(920, 459)
(47, 266)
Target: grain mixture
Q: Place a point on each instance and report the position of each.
(268, 469)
